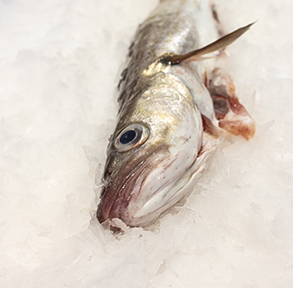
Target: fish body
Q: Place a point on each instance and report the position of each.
(170, 115)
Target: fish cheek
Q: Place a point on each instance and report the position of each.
(115, 162)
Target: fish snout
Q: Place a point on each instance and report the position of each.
(121, 190)
(113, 204)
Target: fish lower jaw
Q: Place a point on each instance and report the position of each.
(163, 200)
(173, 193)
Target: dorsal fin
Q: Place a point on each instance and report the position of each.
(198, 54)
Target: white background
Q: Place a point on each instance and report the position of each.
(59, 67)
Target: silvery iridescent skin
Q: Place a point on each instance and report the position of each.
(143, 182)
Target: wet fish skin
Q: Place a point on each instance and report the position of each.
(169, 102)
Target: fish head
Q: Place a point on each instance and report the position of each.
(152, 153)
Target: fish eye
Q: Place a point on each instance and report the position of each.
(130, 137)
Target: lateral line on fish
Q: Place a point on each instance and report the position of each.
(198, 55)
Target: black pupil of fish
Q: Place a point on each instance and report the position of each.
(127, 137)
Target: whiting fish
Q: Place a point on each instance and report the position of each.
(176, 103)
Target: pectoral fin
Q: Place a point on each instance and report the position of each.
(204, 53)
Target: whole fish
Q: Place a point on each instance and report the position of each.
(175, 104)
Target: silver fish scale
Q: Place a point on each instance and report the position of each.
(162, 33)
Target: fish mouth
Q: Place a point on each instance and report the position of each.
(125, 188)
